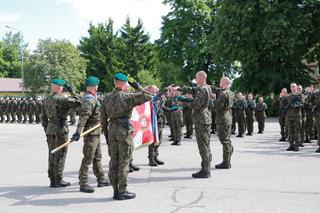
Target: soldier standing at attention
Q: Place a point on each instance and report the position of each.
(202, 122)
(224, 104)
(283, 105)
(90, 117)
(1, 110)
(240, 107)
(251, 106)
(293, 119)
(309, 115)
(54, 121)
(118, 108)
(261, 114)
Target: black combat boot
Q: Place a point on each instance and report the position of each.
(239, 136)
(103, 183)
(307, 141)
(171, 139)
(130, 169)
(301, 145)
(296, 148)
(176, 143)
(115, 195)
(188, 136)
(126, 195)
(86, 188)
(318, 150)
(201, 174)
(135, 168)
(152, 162)
(282, 139)
(159, 162)
(290, 148)
(60, 184)
(223, 165)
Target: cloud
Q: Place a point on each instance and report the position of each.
(9, 18)
(97, 11)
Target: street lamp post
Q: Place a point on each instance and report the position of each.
(21, 53)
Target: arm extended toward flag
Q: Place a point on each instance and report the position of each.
(70, 141)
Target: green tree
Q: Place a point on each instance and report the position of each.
(101, 50)
(4, 65)
(268, 38)
(55, 59)
(135, 51)
(184, 36)
(13, 44)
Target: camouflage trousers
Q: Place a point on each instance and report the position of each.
(8, 116)
(187, 118)
(19, 115)
(309, 126)
(249, 122)
(203, 140)
(91, 154)
(294, 127)
(57, 160)
(261, 121)
(120, 147)
(213, 118)
(241, 121)
(317, 125)
(13, 116)
(176, 123)
(224, 133)
(153, 149)
(302, 129)
(283, 128)
(31, 117)
(234, 123)
(2, 119)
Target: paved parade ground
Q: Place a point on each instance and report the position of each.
(264, 177)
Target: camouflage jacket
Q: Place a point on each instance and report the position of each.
(283, 105)
(117, 107)
(89, 115)
(200, 105)
(55, 111)
(224, 104)
(295, 103)
(315, 100)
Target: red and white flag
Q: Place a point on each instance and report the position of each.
(142, 122)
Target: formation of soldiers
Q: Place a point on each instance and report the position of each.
(299, 116)
(20, 110)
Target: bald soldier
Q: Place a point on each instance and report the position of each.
(118, 106)
(88, 118)
(202, 122)
(54, 121)
(224, 104)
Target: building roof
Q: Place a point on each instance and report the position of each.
(11, 85)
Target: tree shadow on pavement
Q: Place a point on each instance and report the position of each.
(32, 195)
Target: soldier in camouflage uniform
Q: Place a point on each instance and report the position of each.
(176, 119)
(118, 106)
(158, 106)
(7, 110)
(260, 113)
(293, 119)
(2, 110)
(13, 109)
(315, 100)
(240, 107)
(283, 106)
(234, 117)
(309, 115)
(54, 121)
(18, 112)
(90, 117)
(32, 109)
(24, 110)
(303, 116)
(187, 118)
(224, 104)
(251, 106)
(38, 110)
(202, 122)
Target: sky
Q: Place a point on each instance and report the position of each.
(69, 19)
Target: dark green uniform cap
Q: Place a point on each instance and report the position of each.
(92, 81)
(121, 77)
(58, 82)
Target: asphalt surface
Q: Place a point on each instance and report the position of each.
(264, 177)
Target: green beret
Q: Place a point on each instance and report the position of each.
(58, 82)
(120, 76)
(92, 81)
